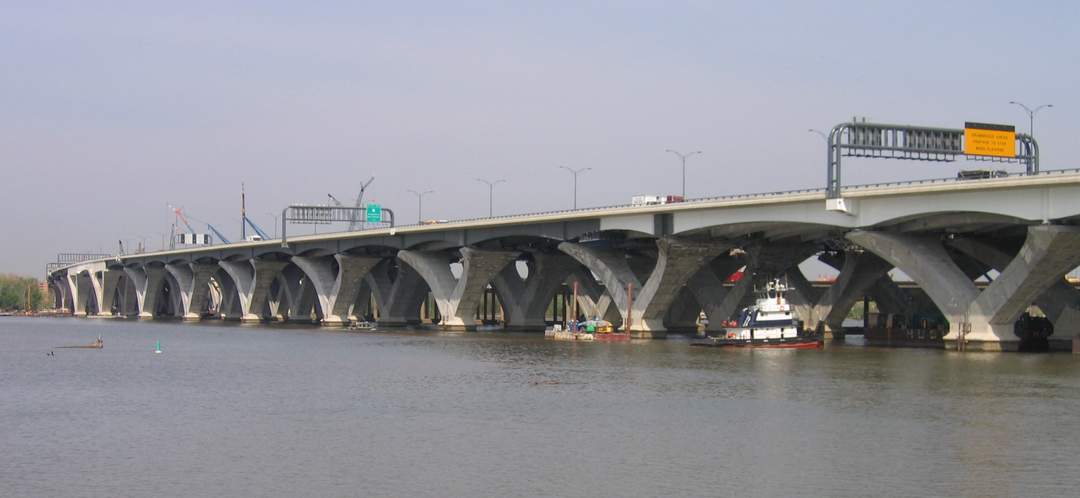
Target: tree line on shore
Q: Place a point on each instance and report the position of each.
(21, 294)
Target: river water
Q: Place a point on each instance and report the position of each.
(229, 410)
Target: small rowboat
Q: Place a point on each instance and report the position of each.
(97, 344)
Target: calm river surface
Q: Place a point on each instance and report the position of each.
(279, 411)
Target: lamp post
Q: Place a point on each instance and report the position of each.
(420, 203)
(683, 157)
(491, 192)
(820, 133)
(574, 173)
(1031, 115)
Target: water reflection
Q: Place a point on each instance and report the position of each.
(299, 410)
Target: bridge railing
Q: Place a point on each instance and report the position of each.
(756, 195)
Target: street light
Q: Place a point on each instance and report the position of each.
(575, 172)
(822, 134)
(683, 158)
(491, 192)
(1031, 115)
(420, 203)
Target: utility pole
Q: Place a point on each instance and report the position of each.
(574, 173)
(683, 158)
(420, 204)
(491, 193)
(275, 223)
(243, 213)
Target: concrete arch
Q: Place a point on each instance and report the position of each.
(765, 230)
(458, 297)
(293, 296)
(167, 302)
(228, 307)
(525, 299)
(88, 293)
(398, 291)
(56, 293)
(124, 302)
(954, 221)
(985, 317)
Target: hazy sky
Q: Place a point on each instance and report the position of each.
(113, 110)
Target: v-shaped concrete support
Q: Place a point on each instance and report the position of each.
(336, 288)
(676, 262)
(458, 298)
(986, 318)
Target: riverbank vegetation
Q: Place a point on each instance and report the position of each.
(20, 293)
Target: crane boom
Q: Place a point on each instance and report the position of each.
(255, 227)
(217, 233)
(179, 212)
(220, 237)
(354, 219)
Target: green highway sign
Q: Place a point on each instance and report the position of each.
(374, 213)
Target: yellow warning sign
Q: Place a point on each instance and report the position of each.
(981, 139)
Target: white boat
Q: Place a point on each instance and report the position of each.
(362, 325)
(768, 323)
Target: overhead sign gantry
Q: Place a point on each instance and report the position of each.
(307, 214)
(976, 141)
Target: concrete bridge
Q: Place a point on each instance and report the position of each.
(1020, 231)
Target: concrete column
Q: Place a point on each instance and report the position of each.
(253, 279)
(718, 302)
(684, 313)
(859, 272)
(279, 299)
(362, 307)
(106, 282)
(57, 294)
(84, 292)
(147, 280)
(293, 300)
(525, 301)
(66, 290)
(1048, 253)
(1060, 302)
(193, 282)
(128, 306)
(676, 262)
(458, 298)
(592, 300)
(302, 301)
(336, 288)
(229, 308)
(71, 288)
(399, 290)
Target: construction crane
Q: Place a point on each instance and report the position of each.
(179, 212)
(246, 222)
(355, 220)
(255, 227)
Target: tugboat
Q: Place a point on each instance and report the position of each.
(768, 323)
